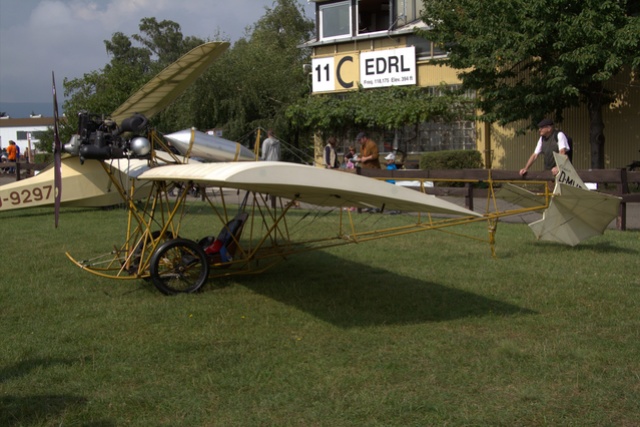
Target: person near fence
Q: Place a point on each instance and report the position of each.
(368, 152)
(348, 158)
(12, 151)
(270, 147)
(4, 158)
(550, 141)
(391, 165)
(330, 156)
(271, 152)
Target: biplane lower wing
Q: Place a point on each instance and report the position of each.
(85, 184)
(316, 186)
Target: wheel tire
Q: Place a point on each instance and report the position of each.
(179, 266)
(135, 258)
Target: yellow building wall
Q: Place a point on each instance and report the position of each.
(621, 130)
(364, 45)
(435, 75)
(502, 147)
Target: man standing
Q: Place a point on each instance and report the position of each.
(271, 152)
(550, 141)
(270, 147)
(12, 153)
(368, 152)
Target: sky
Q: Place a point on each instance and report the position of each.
(67, 36)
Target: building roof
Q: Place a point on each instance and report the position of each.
(26, 122)
(408, 28)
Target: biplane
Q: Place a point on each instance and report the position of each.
(246, 218)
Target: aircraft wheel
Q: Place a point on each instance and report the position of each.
(137, 252)
(179, 266)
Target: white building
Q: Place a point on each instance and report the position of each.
(19, 130)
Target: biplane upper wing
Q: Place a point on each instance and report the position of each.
(317, 186)
(160, 91)
(88, 184)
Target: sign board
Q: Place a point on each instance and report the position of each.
(323, 74)
(380, 68)
(392, 67)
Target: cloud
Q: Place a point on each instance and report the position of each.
(51, 15)
(67, 36)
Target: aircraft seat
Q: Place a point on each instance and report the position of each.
(224, 246)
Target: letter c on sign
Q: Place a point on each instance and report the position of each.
(339, 77)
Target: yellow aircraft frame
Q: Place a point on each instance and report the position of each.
(152, 248)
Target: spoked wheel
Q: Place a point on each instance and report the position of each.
(179, 266)
(137, 252)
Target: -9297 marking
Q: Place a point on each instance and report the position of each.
(28, 196)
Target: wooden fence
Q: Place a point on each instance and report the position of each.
(21, 169)
(619, 182)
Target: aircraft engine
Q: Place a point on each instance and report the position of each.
(140, 146)
(102, 139)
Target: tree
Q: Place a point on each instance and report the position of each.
(387, 108)
(164, 40)
(528, 59)
(256, 80)
(250, 86)
(102, 91)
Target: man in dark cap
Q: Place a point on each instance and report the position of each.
(368, 152)
(550, 141)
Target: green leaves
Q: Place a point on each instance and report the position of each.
(102, 91)
(388, 108)
(258, 78)
(553, 50)
(529, 59)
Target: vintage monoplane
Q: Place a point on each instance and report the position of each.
(251, 221)
(109, 140)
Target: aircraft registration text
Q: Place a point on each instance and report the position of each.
(28, 196)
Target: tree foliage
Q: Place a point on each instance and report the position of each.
(251, 85)
(131, 66)
(259, 77)
(164, 40)
(533, 58)
(388, 108)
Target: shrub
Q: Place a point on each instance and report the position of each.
(43, 157)
(451, 159)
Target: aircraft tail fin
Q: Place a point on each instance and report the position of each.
(566, 174)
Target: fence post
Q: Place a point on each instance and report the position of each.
(621, 221)
(469, 197)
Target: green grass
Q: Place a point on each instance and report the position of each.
(423, 330)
